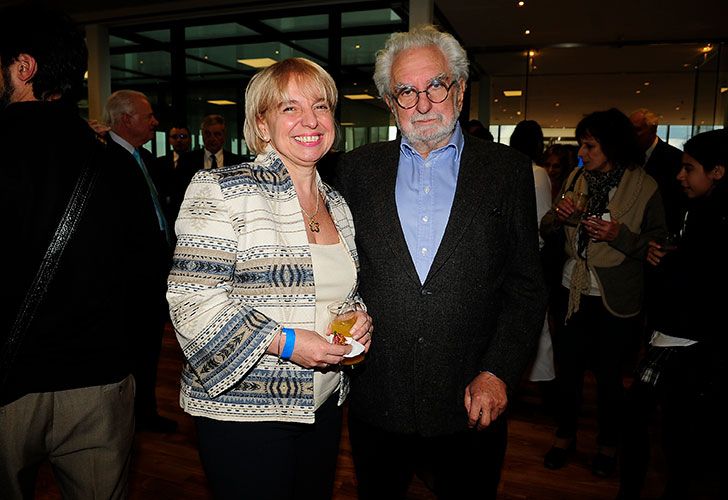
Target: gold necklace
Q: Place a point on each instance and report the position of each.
(312, 224)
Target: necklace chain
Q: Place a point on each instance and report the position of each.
(313, 225)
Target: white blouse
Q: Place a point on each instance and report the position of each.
(335, 275)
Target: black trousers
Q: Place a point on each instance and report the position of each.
(271, 460)
(692, 427)
(459, 466)
(592, 339)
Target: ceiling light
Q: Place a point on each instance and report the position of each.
(359, 97)
(518, 113)
(357, 46)
(527, 32)
(278, 52)
(85, 76)
(531, 53)
(557, 104)
(677, 108)
(637, 91)
(495, 100)
(647, 84)
(222, 102)
(723, 90)
(261, 62)
(521, 4)
(707, 48)
(512, 93)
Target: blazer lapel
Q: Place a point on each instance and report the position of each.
(386, 217)
(468, 195)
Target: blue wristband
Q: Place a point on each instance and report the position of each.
(290, 334)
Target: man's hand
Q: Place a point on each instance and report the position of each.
(485, 400)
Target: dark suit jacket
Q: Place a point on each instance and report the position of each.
(188, 164)
(664, 165)
(158, 251)
(481, 307)
(164, 175)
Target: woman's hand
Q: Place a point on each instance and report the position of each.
(311, 350)
(655, 253)
(363, 329)
(564, 208)
(601, 230)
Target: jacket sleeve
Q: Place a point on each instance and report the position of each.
(653, 226)
(222, 338)
(523, 293)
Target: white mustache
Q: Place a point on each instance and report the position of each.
(428, 116)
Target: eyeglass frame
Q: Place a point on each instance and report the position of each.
(425, 91)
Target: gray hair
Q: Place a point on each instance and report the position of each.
(120, 102)
(211, 120)
(421, 36)
(651, 119)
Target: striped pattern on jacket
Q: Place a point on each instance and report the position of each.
(242, 269)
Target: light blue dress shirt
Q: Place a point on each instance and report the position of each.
(424, 193)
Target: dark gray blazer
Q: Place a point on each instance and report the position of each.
(481, 307)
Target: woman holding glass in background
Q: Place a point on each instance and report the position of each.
(262, 249)
(600, 299)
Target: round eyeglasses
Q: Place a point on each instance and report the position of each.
(436, 92)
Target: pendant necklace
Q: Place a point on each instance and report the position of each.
(312, 224)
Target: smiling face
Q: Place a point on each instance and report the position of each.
(592, 155)
(301, 128)
(427, 126)
(695, 181)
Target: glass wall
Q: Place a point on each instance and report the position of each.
(193, 68)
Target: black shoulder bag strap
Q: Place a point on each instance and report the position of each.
(48, 266)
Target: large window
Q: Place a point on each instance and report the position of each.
(193, 68)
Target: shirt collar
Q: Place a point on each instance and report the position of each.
(456, 142)
(122, 142)
(649, 151)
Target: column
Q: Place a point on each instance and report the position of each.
(420, 12)
(99, 71)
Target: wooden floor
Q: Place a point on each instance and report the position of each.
(168, 467)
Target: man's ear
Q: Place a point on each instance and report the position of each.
(717, 173)
(25, 68)
(389, 102)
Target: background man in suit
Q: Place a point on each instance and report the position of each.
(165, 170)
(66, 390)
(212, 155)
(662, 162)
(132, 124)
(447, 238)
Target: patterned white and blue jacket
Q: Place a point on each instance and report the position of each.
(241, 271)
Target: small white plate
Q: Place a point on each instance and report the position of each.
(356, 347)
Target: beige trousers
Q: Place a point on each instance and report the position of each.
(86, 434)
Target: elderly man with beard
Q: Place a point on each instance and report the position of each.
(447, 239)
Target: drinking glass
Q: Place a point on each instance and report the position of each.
(342, 317)
(580, 199)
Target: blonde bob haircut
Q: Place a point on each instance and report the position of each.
(267, 90)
